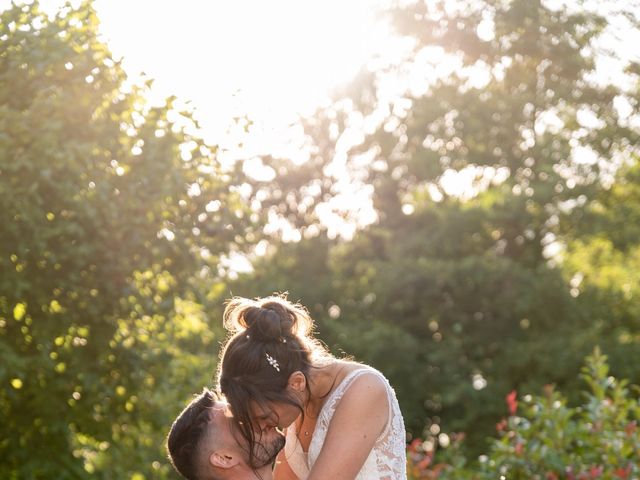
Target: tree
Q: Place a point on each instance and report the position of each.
(109, 210)
(472, 277)
(601, 264)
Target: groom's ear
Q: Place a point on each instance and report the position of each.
(223, 459)
(297, 381)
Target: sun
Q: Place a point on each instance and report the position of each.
(274, 60)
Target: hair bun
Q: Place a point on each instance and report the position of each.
(267, 319)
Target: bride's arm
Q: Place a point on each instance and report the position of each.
(359, 419)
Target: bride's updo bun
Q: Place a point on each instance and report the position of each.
(271, 318)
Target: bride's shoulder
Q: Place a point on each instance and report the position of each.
(363, 400)
(356, 381)
(356, 371)
(365, 383)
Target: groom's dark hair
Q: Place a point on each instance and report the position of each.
(187, 433)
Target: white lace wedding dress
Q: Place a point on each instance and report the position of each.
(387, 460)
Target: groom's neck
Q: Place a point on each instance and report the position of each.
(264, 473)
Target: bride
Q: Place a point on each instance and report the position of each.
(341, 418)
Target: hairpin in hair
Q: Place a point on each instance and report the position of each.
(273, 362)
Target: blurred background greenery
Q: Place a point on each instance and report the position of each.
(502, 242)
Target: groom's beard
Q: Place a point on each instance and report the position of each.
(265, 452)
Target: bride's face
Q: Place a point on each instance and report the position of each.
(274, 415)
(281, 414)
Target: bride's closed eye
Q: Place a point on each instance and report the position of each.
(265, 421)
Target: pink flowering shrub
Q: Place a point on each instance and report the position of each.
(543, 438)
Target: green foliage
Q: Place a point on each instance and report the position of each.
(116, 219)
(467, 287)
(601, 263)
(545, 438)
(106, 209)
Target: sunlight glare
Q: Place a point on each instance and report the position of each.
(272, 60)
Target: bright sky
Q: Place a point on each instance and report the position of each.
(273, 59)
(270, 59)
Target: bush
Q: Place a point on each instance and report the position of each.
(545, 438)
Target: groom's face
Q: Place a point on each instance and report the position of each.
(268, 443)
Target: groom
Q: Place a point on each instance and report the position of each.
(204, 444)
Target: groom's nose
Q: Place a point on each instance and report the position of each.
(266, 423)
(266, 427)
